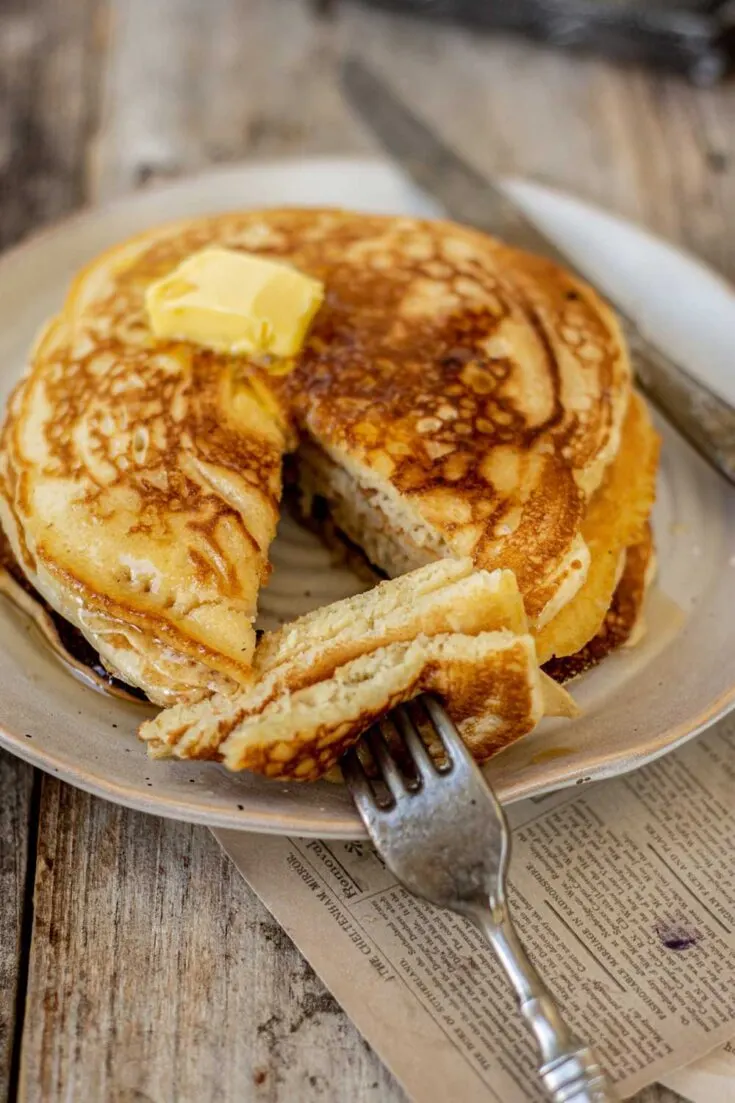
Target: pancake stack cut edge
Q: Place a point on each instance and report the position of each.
(463, 409)
(445, 628)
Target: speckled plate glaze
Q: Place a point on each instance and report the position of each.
(638, 705)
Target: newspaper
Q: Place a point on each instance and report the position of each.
(624, 894)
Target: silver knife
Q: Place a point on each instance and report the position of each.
(705, 419)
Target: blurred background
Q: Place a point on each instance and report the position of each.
(624, 102)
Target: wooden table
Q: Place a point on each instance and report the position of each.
(135, 965)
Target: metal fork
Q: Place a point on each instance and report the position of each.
(444, 835)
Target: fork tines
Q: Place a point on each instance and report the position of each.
(407, 749)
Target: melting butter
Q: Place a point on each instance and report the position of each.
(235, 302)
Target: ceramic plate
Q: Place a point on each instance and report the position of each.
(639, 704)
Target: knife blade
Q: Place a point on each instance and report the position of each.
(703, 417)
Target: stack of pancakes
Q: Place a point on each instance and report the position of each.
(455, 400)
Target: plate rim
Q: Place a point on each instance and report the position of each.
(323, 160)
(348, 825)
(260, 822)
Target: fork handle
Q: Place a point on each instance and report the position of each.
(569, 1070)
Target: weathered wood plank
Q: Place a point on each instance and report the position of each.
(43, 111)
(190, 84)
(16, 784)
(157, 975)
(47, 69)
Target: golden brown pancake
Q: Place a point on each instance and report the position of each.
(620, 620)
(616, 519)
(490, 684)
(58, 634)
(443, 597)
(469, 396)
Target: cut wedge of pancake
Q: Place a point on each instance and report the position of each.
(447, 596)
(325, 678)
(490, 683)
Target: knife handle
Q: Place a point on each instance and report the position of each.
(701, 416)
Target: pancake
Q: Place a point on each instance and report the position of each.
(444, 628)
(59, 635)
(490, 684)
(616, 519)
(139, 488)
(458, 398)
(446, 596)
(623, 621)
(465, 397)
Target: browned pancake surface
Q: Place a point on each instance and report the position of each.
(483, 390)
(486, 386)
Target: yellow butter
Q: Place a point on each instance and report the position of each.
(235, 302)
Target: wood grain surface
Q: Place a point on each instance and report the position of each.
(17, 838)
(153, 973)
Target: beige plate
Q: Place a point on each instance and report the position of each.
(637, 705)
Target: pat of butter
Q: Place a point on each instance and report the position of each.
(235, 302)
